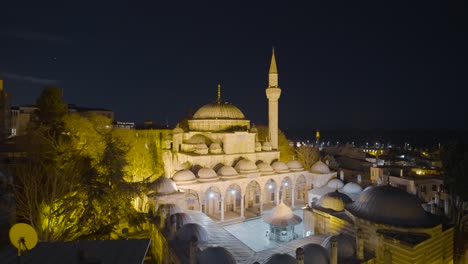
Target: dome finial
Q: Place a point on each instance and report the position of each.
(219, 93)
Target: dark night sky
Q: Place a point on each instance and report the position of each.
(346, 64)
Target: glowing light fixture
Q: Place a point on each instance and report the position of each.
(211, 195)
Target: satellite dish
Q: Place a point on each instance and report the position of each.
(23, 237)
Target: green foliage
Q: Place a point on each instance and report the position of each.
(73, 186)
(286, 151)
(307, 156)
(51, 109)
(455, 167)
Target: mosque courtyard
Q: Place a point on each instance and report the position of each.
(253, 232)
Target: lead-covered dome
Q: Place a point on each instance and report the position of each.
(334, 200)
(280, 166)
(184, 177)
(215, 255)
(392, 206)
(207, 174)
(280, 258)
(346, 245)
(221, 110)
(186, 232)
(320, 168)
(352, 187)
(246, 166)
(295, 165)
(282, 216)
(163, 186)
(335, 184)
(265, 168)
(315, 254)
(227, 172)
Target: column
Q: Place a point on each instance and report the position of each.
(261, 203)
(222, 209)
(293, 191)
(242, 205)
(277, 196)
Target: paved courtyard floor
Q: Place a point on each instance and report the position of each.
(253, 232)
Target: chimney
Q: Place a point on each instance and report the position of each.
(193, 246)
(447, 206)
(334, 251)
(300, 255)
(401, 172)
(360, 244)
(341, 175)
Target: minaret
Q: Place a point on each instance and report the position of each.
(273, 93)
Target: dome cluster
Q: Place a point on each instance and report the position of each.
(242, 167)
(334, 200)
(390, 205)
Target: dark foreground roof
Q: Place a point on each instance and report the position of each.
(122, 251)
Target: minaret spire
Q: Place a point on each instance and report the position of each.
(273, 93)
(219, 94)
(273, 73)
(273, 68)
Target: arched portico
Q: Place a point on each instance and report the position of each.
(270, 194)
(212, 203)
(285, 190)
(232, 202)
(253, 200)
(300, 191)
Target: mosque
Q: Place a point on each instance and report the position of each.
(218, 173)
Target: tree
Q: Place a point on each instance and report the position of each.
(455, 169)
(286, 150)
(51, 109)
(307, 156)
(73, 185)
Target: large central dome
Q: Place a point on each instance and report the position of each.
(219, 110)
(218, 116)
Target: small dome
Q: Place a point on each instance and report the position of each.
(163, 186)
(186, 232)
(392, 206)
(168, 137)
(315, 254)
(253, 130)
(180, 219)
(227, 172)
(335, 184)
(177, 130)
(279, 258)
(258, 146)
(282, 216)
(334, 200)
(215, 255)
(352, 187)
(168, 209)
(201, 148)
(265, 168)
(184, 176)
(280, 166)
(217, 110)
(207, 174)
(368, 188)
(246, 166)
(198, 139)
(346, 245)
(267, 146)
(320, 168)
(295, 165)
(215, 148)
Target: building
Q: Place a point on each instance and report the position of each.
(223, 169)
(5, 117)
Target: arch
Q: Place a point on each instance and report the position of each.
(285, 190)
(300, 191)
(252, 199)
(192, 200)
(211, 205)
(269, 197)
(232, 201)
